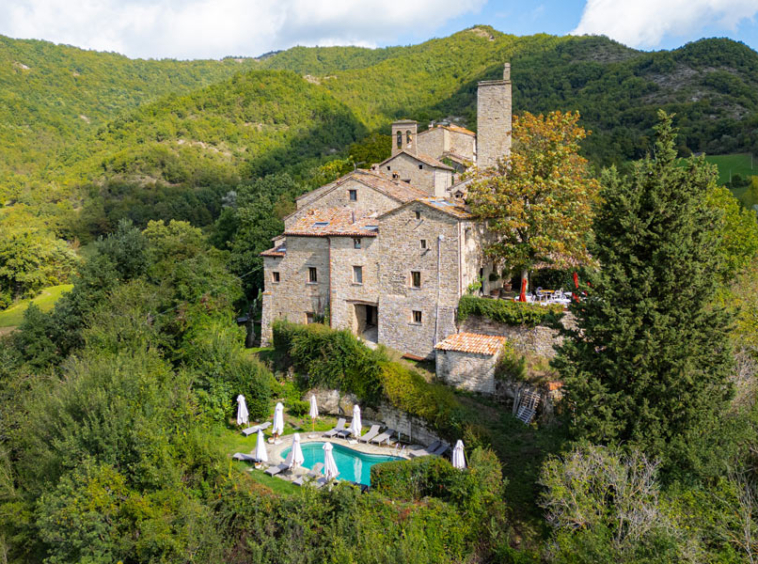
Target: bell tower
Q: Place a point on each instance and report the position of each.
(493, 119)
(404, 137)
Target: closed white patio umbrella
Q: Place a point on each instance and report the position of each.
(295, 458)
(355, 425)
(242, 413)
(330, 466)
(278, 427)
(459, 461)
(313, 412)
(260, 448)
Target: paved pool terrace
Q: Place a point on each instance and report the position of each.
(275, 450)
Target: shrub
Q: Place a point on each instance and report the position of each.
(299, 408)
(511, 365)
(508, 312)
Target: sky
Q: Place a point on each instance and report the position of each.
(192, 29)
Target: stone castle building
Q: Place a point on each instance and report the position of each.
(388, 252)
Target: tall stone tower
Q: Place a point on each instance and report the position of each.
(404, 137)
(493, 119)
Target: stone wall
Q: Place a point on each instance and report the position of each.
(401, 252)
(493, 120)
(461, 144)
(432, 142)
(338, 404)
(539, 341)
(294, 297)
(404, 127)
(467, 371)
(407, 167)
(345, 292)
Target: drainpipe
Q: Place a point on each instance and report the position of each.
(440, 238)
(329, 281)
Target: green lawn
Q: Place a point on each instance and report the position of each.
(13, 316)
(741, 164)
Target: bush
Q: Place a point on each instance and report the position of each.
(511, 365)
(337, 359)
(508, 312)
(299, 408)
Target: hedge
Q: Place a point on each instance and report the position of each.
(337, 359)
(508, 312)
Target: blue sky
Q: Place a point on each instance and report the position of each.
(186, 29)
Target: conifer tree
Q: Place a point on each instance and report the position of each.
(648, 362)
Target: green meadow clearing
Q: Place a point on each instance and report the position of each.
(13, 316)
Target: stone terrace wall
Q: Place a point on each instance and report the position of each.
(538, 340)
(338, 404)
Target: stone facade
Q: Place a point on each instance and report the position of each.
(439, 269)
(540, 341)
(363, 236)
(467, 371)
(435, 180)
(494, 101)
(442, 140)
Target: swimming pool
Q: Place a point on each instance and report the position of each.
(354, 466)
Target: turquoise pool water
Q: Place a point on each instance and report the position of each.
(353, 465)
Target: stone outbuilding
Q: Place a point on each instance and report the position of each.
(468, 360)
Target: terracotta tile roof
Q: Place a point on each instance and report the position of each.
(278, 251)
(397, 189)
(447, 206)
(459, 129)
(426, 159)
(334, 222)
(472, 343)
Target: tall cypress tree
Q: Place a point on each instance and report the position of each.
(649, 360)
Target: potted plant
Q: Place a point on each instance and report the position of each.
(507, 283)
(494, 290)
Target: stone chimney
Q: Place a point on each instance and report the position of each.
(404, 137)
(493, 119)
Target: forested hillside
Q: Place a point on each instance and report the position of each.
(52, 95)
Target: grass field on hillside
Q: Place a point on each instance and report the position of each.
(13, 316)
(729, 165)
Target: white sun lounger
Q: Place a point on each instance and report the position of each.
(274, 470)
(245, 457)
(254, 429)
(373, 432)
(338, 428)
(425, 451)
(386, 436)
(314, 474)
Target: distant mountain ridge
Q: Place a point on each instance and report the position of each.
(70, 117)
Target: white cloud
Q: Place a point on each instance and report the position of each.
(645, 23)
(216, 28)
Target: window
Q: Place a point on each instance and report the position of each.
(423, 243)
(388, 167)
(418, 215)
(417, 316)
(399, 140)
(358, 274)
(357, 243)
(310, 318)
(312, 275)
(415, 279)
(408, 138)
(275, 277)
(421, 167)
(353, 195)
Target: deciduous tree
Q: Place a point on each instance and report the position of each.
(538, 202)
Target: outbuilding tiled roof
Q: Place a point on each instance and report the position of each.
(278, 251)
(472, 343)
(459, 129)
(334, 222)
(447, 206)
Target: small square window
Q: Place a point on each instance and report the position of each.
(310, 318)
(415, 279)
(353, 195)
(423, 243)
(275, 277)
(388, 167)
(417, 317)
(358, 274)
(312, 274)
(418, 215)
(421, 167)
(357, 243)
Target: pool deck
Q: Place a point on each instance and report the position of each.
(275, 450)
